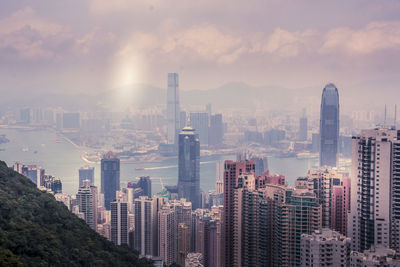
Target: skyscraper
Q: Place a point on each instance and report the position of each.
(110, 170)
(303, 129)
(173, 111)
(168, 234)
(84, 199)
(231, 174)
(329, 126)
(216, 131)
(86, 173)
(189, 167)
(199, 122)
(143, 236)
(119, 222)
(374, 218)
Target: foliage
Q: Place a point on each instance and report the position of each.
(37, 230)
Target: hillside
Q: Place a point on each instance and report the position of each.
(37, 230)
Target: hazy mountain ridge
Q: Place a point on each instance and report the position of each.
(229, 95)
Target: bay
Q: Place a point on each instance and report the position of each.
(61, 159)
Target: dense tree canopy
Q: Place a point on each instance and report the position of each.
(37, 230)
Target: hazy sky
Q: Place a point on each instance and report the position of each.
(83, 46)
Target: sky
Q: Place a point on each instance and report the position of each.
(84, 46)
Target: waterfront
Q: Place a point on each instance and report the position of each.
(61, 159)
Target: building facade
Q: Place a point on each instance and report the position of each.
(189, 167)
(173, 110)
(110, 175)
(329, 126)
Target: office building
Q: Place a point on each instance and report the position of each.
(216, 131)
(189, 167)
(86, 173)
(325, 247)
(71, 120)
(199, 122)
(329, 126)
(110, 171)
(52, 183)
(374, 218)
(303, 130)
(25, 116)
(144, 183)
(182, 120)
(173, 111)
(261, 165)
(119, 223)
(143, 234)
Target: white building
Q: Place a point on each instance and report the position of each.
(119, 222)
(375, 256)
(375, 190)
(324, 247)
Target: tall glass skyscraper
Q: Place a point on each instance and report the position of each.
(189, 166)
(329, 126)
(110, 168)
(173, 111)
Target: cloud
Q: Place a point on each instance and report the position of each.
(26, 36)
(374, 37)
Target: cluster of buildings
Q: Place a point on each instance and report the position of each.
(330, 217)
(37, 175)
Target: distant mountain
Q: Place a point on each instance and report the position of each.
(37, 230)
(230, 95)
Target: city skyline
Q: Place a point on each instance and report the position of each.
(200, 134)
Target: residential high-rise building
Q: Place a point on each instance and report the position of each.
(321, 182)
(325, 247)
(158, 203)
(183, 243)
(173, 111)
(232, 171)
(143, 235)
(168, 234)
(216, 131)
(85, 201)
(340, 205)
(375, 256)
(86, 173)
(119, 223)
(300, 214)
(199, 122)
(110, 171)
(189, 167)
(374, 218)
(329, 126)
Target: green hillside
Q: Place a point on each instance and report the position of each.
(37, 230)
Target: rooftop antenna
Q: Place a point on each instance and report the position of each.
(384, 121)
(395, 115)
